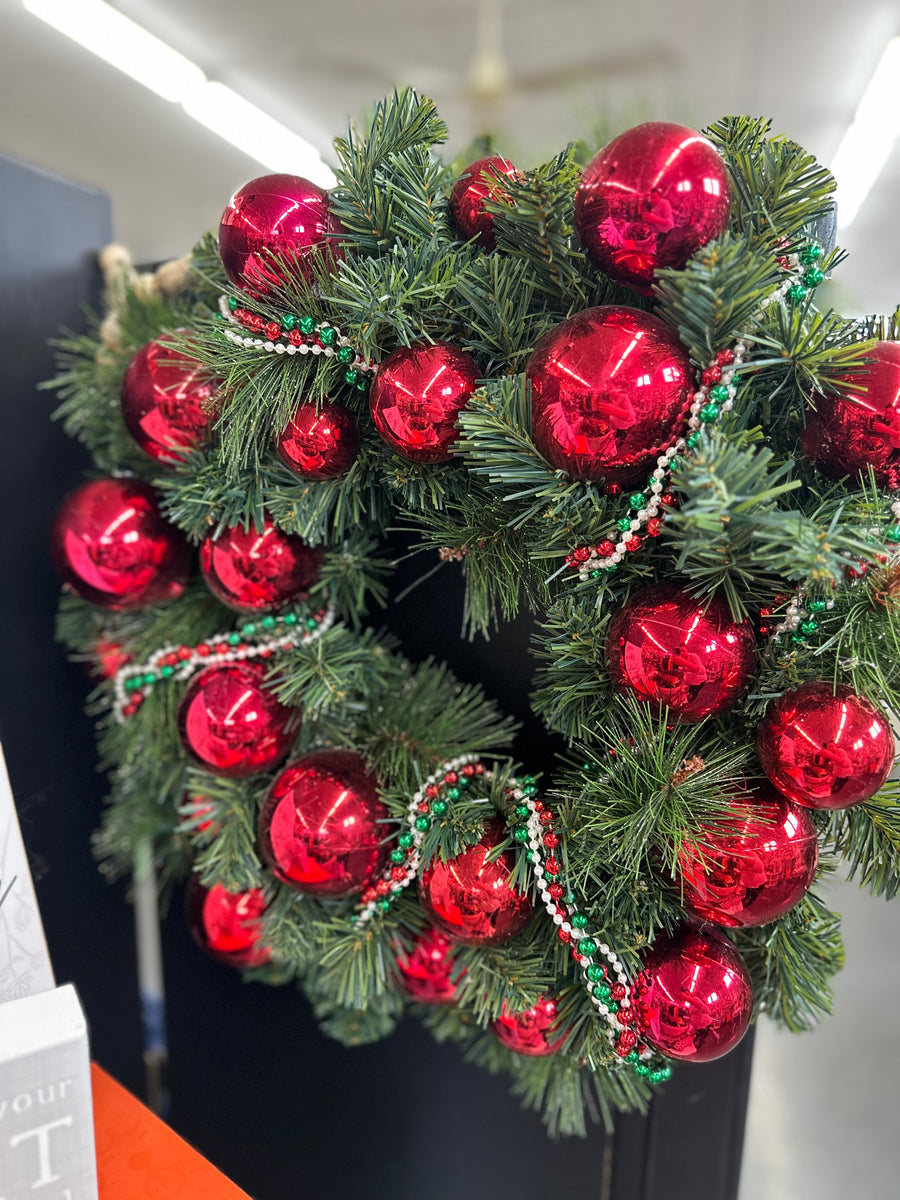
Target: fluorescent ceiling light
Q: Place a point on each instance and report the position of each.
(126, 45)
(867, 144)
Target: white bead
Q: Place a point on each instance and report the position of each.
(557, 920)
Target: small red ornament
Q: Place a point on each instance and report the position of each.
(693, 998)
(610, 387)
(320, 441)
(284, 216)
(847, 434)
(109, 658)
(322, 827)
(258, 572)
(482, 180)
(471, 899)
(825, 746)
(426, 972)
(651, 199)
(111, 546)
(533, 1031)
(675, 652)
(168, 400)
(416, 396)
(227, 924)
(231, 724)
(757, 871)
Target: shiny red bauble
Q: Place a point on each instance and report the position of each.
(847, 434)
(276, 217)
(111, 545)
(227, 924)
(470, 898)
(258, 571)
(758, 870)
(425, 972)
(416, 396)
(482, 180)
(320, 440)
(651, 199)
(168, 400)
(693, 999)
(825, 746)
(688, 656)
(610, 388)
(533, 1032)
(233, 725)
(322, 828)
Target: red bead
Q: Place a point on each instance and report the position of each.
(710, 376)
(551, 866)
(110, 658)
(605, 549)
(479, 768)
(671, 650)
(320, 440)
(273, 331)
(468, 771)
(617, 991)
(112, 547)
(416, 396)
(581, 553)
(534, 1032)
(425, 972)
(825, 746)
(626, 1040)
(633, 543)
(470, 897)
(693, 998)
(725, 357)
(626, 1016)
(296, 338)
(423, 807)
(231, 724)
(227, 924)
(223, 648)
(668, 500)
(432, 792)
(537, 805)
(651, 199)
(272, 218)
(184, 652)
(368, 895)
(129, 710)
(609, 387)
(398, 874)
(242, 314)
(253, 571)
(551, 841)
(255, 322)
(202, 806)
(168, 400)
(321, 827)
(653, 526)
(613, 489)
(564, 935)
(481, 180)
(546, 817)
(556, 891)
(451, 777)
(203, 650)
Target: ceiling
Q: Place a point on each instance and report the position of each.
(591, 65)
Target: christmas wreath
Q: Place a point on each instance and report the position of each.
(603, 389)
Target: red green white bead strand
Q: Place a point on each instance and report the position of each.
(260, 638)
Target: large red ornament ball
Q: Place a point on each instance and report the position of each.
(610, 388)
(254, 571)
(425, 972)
(688, 656)
(168, 400)
(416, 396)
(470, 897)
(481, 180)
(282, 215)
(322, 827)
(758, 870)
(847, 434)
(693, 999)
(533, 1032)
(231, 724)
(651, 199)
(111, 545)
(227, 924)
(825, 746)
(320, 440)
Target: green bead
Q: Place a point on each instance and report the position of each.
(454, 793)
(346, 355)
(406, 840)
(398, 857)
(813, 276)
(523, 812)
(587, 947)
(579, 920)
(268, 622)
(666, 1071)
(637, 500)
(439, 807)
(234, 639)
(521, 834)
(719, 393)
(656, 1076)
(362, 383)
(150, 678)
(810, 625)
(817, 606)
(810, 254)
(422, 824)
(611, 567)
(613, 1006)
(383, 905)
(327, 336)
(307, 325)
(796, 292)
(351, 376)
(233, 303)
(569, 898)
(693, 439)
(709, 412)
(623, 524)
(289, 619)
(892, 533)
(798, 638)
(594, 973)
(530, 789)
(167, 672)
(675, 463)
(289, 322)
(311, 623)
(641, 1069)
(463, 782)
(249, 629)
(631, 1056)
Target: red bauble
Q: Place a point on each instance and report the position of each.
(168, 400)
(533, 1031)
(322, 827)
(282, 215)
(320, 441)
(693, 998)
(416, 396)
(109, 658)
(471, 899)
(231, 724)
(675, 652)
(847, 434)
(425, 972)
(610, 388)
(825, 746)
(258, 572)
(481, 180)
(651, 199)
(111, 546)
(756, 873)
(227, 924)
